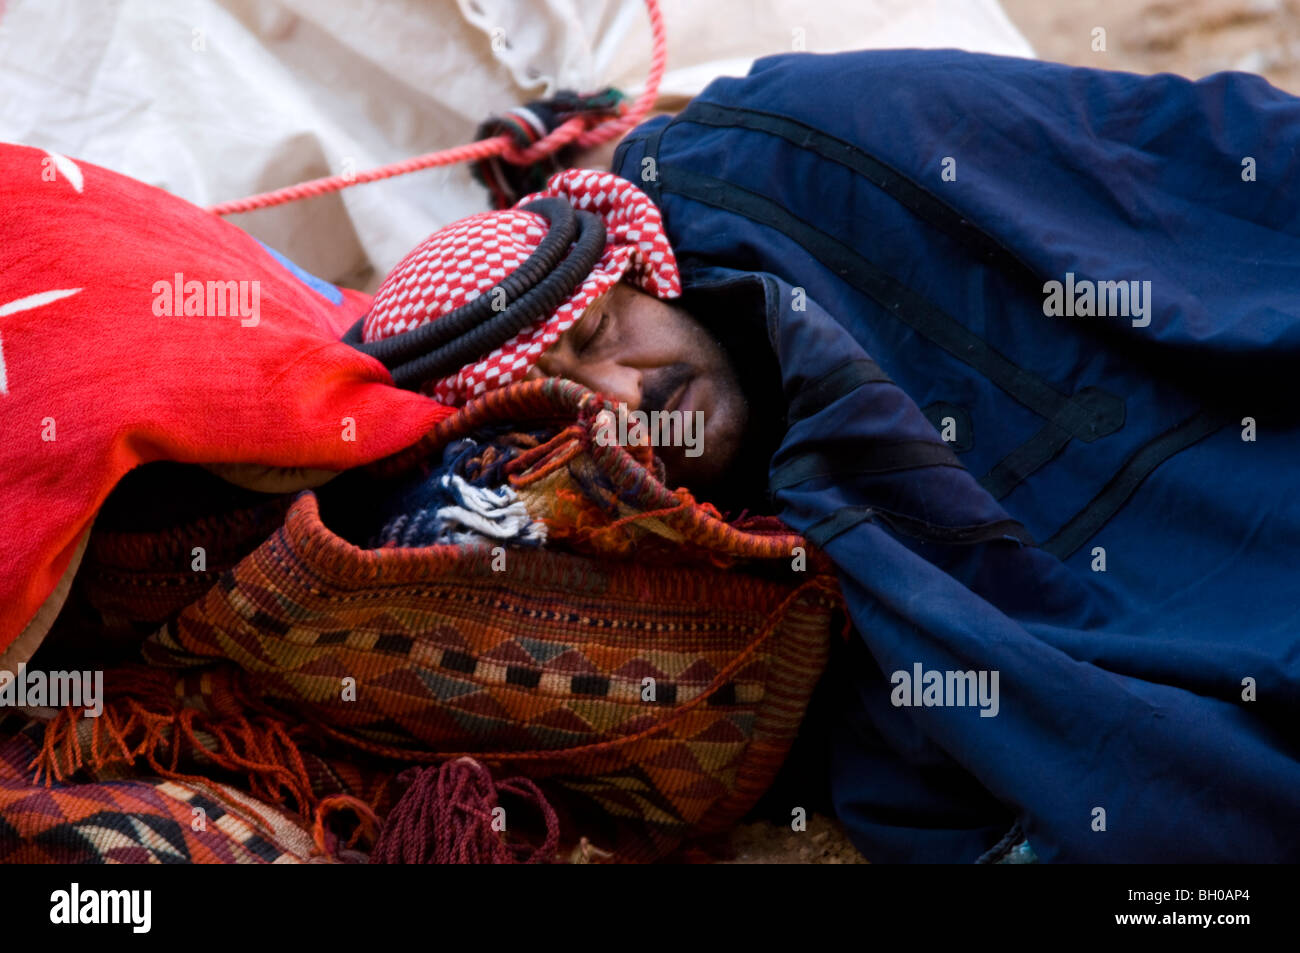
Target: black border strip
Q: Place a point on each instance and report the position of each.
(920, 201)
(874, 458)
(649, 149)
(1121, 486)
(1034, 453)
(845, 518)
(906, 305)
(839, 383)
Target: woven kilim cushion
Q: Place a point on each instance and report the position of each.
(131, 821)
(648, 667)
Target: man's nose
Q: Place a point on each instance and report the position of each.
(619, 383)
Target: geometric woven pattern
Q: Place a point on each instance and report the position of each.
(131, 821)
(651, 701)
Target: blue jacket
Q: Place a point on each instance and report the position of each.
(1098, 507)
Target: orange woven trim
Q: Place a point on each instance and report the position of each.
(573, 408)
(333, 563)
(554, 399)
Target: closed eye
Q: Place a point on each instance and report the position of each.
(602, 324)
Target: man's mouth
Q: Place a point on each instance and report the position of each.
(679, 400)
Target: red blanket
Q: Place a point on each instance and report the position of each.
(135, 327)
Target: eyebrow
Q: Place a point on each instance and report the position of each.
(599, 304)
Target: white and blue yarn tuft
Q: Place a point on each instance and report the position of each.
(446, 508)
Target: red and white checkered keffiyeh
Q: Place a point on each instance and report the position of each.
(456, 264)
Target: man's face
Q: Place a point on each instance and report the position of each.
(650, 355)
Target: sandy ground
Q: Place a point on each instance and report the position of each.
(1192, 38)
(822, 843)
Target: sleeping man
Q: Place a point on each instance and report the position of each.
(1014, 344)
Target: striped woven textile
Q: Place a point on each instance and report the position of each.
(648, 668)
